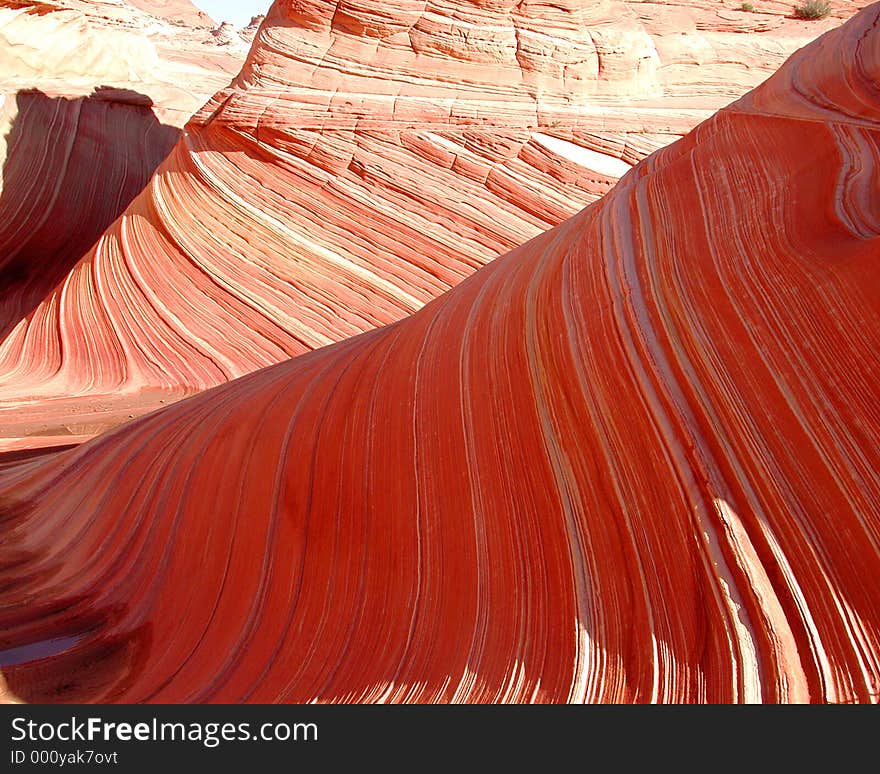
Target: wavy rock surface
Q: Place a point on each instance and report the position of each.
(367, 158)
(253, 27)
(635, 459)
(227, 35)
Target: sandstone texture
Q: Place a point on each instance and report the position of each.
(250, 31)
(368, 157)
(634, 459)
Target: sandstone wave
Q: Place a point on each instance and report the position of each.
(634, 459)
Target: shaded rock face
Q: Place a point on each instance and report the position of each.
(634, 459)
(70, 169)
(367, 158)
(90, 93)
(91, 98)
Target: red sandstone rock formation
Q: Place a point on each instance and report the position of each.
(250, 31)
(227, 35)
(70, 167)
(367, 158)
(635, 459)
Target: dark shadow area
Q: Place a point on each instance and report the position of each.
(11, 458)
(72, 167)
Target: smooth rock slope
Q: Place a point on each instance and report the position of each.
(635, 459)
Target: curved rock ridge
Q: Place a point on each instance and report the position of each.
(367, 158)
(635, 459)
(253, 27)
(227, 35)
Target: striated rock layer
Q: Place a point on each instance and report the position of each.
(367, 158)
(70, 168)
(635, 459)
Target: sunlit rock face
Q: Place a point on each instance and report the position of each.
(181, 11)
(157, 48)
(367, 158)
(634, 459)
(227, 35)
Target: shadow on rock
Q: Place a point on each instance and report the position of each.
(71, 168)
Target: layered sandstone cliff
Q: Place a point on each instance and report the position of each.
(181, 11)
